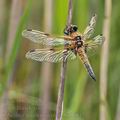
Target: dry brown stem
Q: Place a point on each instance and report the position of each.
(59, 108)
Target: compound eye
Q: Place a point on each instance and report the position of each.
(66, 32)
(75, 28)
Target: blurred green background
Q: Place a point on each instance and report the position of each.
(22, 86)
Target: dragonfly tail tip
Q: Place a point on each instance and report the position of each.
(94, 78)
(94, 15)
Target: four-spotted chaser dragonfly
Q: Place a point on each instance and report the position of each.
(74, 42)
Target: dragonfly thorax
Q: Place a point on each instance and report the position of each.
(79, 42)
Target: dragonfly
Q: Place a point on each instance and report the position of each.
(67, 47)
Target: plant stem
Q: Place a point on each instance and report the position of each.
(47, 67)
(59, 108)
(104, 61)
(70, 9)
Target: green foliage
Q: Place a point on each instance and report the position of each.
(17, 43)
(60, 15)
(18, 37)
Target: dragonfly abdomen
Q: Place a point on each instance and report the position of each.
(86, 63)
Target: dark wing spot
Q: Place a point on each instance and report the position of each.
(33, 50)
(29, 29)
(101, 34)
(47, 34)
(52, 49)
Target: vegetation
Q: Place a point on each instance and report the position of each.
(21, 80)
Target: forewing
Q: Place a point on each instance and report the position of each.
(50, 55)
(92, 45)
(43, 38)
(90, 28)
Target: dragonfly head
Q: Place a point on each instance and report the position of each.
(70, 29)
(74, 28)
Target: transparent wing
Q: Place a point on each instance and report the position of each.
(50, 55)
(92, 45)
(43, 38)
(90, 28)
